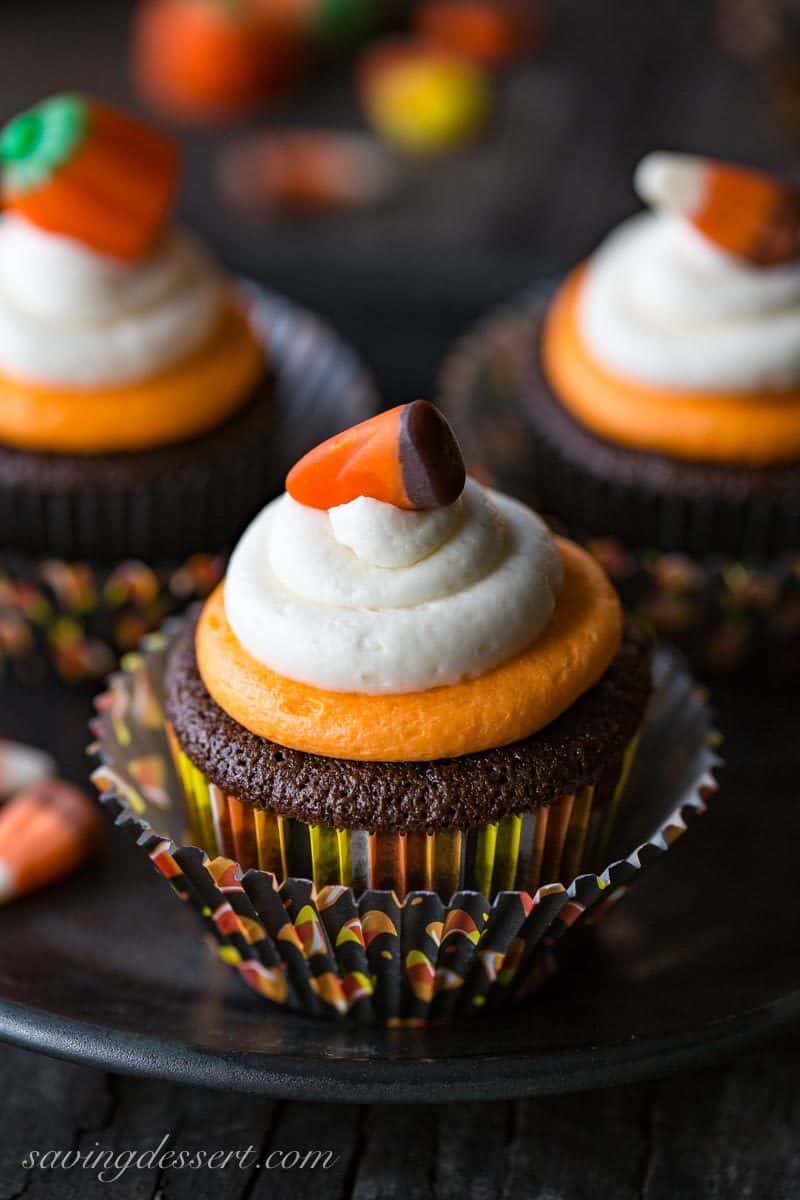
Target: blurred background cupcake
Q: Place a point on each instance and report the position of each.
(147, 411)
(132, 377)
(666, 392)
(659, 389)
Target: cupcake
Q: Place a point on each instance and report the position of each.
(405, 681)
(666, 395)
(149, 404)
(652, 404)
(136, 403)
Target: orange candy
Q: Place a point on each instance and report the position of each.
(211, 60)
(84, 170)
(510, 702)
(746, 213)
(407, 456)
(728, 427)
(46, 833)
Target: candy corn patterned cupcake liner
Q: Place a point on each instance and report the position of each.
(433, 956)
(557, 841)
(723, 612)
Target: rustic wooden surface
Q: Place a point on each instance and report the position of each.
(724, 1134)
(616, 80)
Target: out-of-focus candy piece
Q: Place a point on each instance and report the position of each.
(21, 766)
(746, 213)
(489, 31)
(46, 832)
(80, 168)
(307, 171)
(423, 99)
(211, 60)
(407, 456)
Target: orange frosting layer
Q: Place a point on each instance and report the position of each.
(183, 401)
(728, 427)
(506, 704)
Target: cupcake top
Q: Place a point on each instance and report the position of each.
(387, 608)
(682, 332)
(112, 325)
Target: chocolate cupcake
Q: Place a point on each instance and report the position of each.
(149, 404)
(665, 391)
(654, 400)
(405, 681)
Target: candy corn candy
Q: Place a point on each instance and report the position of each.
(488, 31)
(82, 169)
(421, 98)
(211, 60)
(307, 171)
(21, 766)
(407, 456)
(747, 213)
(46, 832)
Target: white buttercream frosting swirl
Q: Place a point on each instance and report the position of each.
(662, 305)
(370, 598)
(71, 317)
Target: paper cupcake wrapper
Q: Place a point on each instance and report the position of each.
(519, 852)
(370, 956)
(75, 618)
(722, 612)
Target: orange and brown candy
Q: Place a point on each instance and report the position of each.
(408, 457)
(749, 214)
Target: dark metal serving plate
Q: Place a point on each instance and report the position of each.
(702, 959)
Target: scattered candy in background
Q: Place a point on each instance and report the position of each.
(22, 766)
(422, 99)
(46, 832)
(490, 31)
(215, 60)
(211, 60)
(307, 171)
